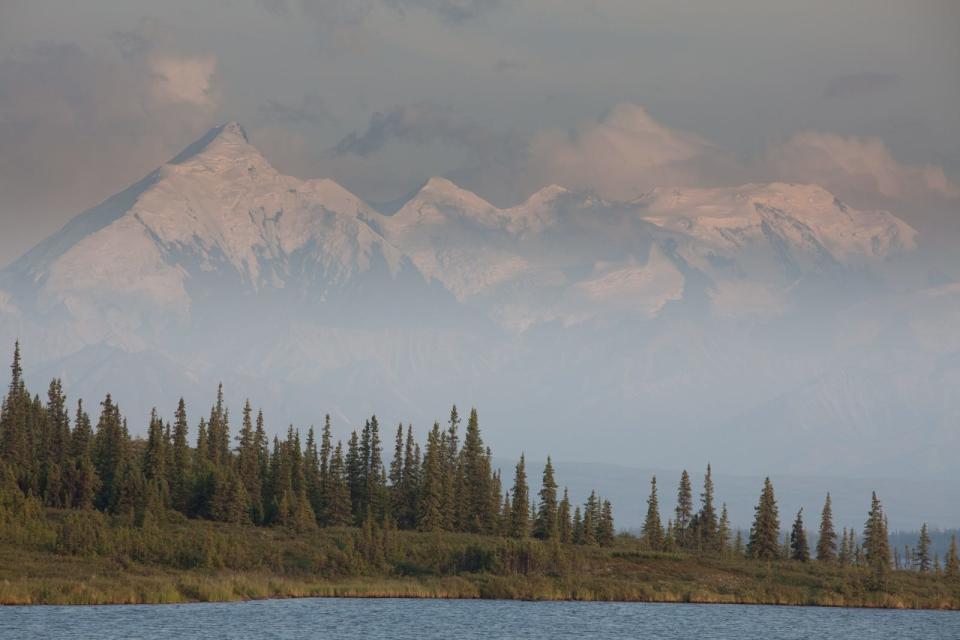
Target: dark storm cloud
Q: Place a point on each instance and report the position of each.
(859, 84)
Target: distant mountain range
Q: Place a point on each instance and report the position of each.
(766, 327)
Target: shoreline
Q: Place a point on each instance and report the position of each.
(444, 588)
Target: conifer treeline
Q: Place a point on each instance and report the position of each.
(704, 532)
(447, 486)
(444, 487)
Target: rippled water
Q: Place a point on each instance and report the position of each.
(463, 619)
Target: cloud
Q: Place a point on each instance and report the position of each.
(183, 79)
(421, 124)
(855, 167)
(619, 156)
(858, 84)
(624, 154)
(79, 123)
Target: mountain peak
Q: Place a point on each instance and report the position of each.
(443, 193)
(229, 135)
(444, 188)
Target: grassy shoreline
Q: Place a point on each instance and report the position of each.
(207, 562)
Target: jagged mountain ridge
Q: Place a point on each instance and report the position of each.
(563, 309)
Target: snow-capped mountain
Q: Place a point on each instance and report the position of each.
(677, 317)
(215, 221)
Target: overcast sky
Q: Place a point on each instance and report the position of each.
(503, 96)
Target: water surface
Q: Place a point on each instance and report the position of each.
(468, 619)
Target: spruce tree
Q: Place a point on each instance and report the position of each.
(326, 450)
(395, 478)
(110, 451)
(84, 480)
(453, 480)
(545, 525)
(576, 533)
(474, 488)
(434, 483)
(337, 499)
(952, 565)
(684, 511)
(765, 532)
(876, 545)
(843, 554)
(56, 452)
(564, 523)
(590, 520)
(652, 532)
(506, 515)
(827, 542)
(356, 481)
(14, 433)
(605, 527)
(799, 549)
(410, 482)
(922, 555)
(707, 523)
(520, 508)
(248, 465)
(723, 531)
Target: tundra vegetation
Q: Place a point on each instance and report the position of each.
(91, 515)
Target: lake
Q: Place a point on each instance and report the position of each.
(466, 619)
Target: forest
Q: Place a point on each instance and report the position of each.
(89, 513)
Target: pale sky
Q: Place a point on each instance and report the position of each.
(503, 97)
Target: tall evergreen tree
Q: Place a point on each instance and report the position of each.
(248, 465)
(707, 522)
(799, 549)
(55, 469)
(520, 509)
(452, 471)
(545, 525)
(410, 482)
(684, 510)
(952, 565)
(475, 488)
(356, 481)
(876, 545)
(576, 533)
(827, 542)
(922, 555)
(723, 531)
(14, 429)
(765, 532)
(311, 473)
(84, 482)
(110, 451)
(652, 532)
(564, 523)
(434, 483)
(337, 499)
(844, 553)
(591, 518)
(326, 450)
(605, 527)
(395, 477)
